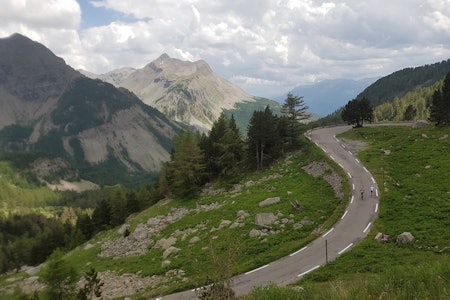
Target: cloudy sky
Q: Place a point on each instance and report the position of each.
(266, 47)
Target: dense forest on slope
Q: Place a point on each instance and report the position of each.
(413, 105)
(400, 82)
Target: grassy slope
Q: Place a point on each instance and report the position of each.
(19, 196)
(415, 183)
(314, 194)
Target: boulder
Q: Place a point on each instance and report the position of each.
(170, 251)
(194, 240)
(165, 263)
(255, 233)
(269, 201)
(404, 238)
(123, 228)
(265, 219)
(225, 223)
(165, 243)
(242, 214)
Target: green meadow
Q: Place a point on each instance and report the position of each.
(412, 169)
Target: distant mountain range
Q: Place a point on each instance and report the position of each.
(326, 96)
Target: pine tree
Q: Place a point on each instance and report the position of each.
(357, 111)
(295, 111)
(187, 167)
(440, 104)
(263, 138)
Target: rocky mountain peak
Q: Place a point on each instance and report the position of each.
(185, 91)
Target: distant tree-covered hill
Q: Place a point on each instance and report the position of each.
(393, 93)
(401, 82)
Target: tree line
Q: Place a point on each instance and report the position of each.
(223, 153)
(29, 239)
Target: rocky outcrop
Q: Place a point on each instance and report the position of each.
(324, 170)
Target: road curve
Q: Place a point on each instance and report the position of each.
(352, 227)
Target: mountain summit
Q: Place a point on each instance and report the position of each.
(187, 92)
(47, 106)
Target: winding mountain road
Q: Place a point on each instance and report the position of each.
(352, 227)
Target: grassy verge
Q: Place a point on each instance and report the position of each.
(412, 168)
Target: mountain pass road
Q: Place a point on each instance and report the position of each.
(352, 227)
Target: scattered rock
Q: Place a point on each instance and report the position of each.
(444, 137)
(255, 233)
(269, 201)
(165, 243)
(242, 214)
(265, 219)
(404, 238)
(170, 251)
(165, 263)
(382, 238)
(194, 240)
(224, 223)
(236, 225)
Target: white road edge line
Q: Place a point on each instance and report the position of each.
(310, 270)
(367, 227)
(298, 251)
(351, 200)
(345, 249)
(326, 233)
(331, 156)
(367, 171)
(376, 207)
(376, 193)
(340, 165)
(353, 186)
(349, 175)
(373, 180)
(255, 270)
(343, 146)
(357, 160)
(343, 216)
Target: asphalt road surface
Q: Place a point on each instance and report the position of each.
(352, 227)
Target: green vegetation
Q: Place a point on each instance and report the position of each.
(401, 82)
(357, 111)
(232, 245)
(412, 169)
(414, 105)
(243, 111)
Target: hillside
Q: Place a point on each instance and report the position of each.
(178, 244)
(104, 132)
(186, 92)
(409, 83)
(400, 82)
